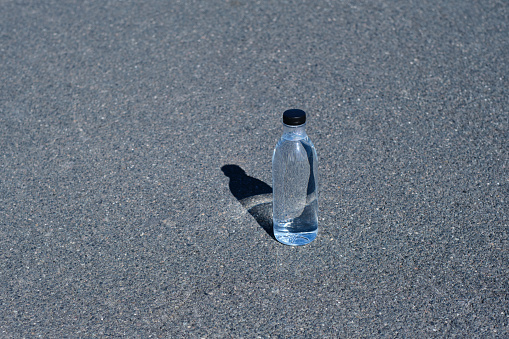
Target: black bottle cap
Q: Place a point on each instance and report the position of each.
(294, 117)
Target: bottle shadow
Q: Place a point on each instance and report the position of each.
(253, 194)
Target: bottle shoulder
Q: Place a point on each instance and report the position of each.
(304, 147)
(288, 140)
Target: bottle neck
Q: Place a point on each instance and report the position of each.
(294, 132)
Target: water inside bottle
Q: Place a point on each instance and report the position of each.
(300, 230)
(295, 192)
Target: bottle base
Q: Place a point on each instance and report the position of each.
(295, 239)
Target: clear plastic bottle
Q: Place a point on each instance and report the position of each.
(294, 183)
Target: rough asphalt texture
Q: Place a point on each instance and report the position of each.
(117, 117)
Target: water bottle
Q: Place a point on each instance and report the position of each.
(294, 183)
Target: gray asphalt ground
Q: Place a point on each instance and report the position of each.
(118, 218)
